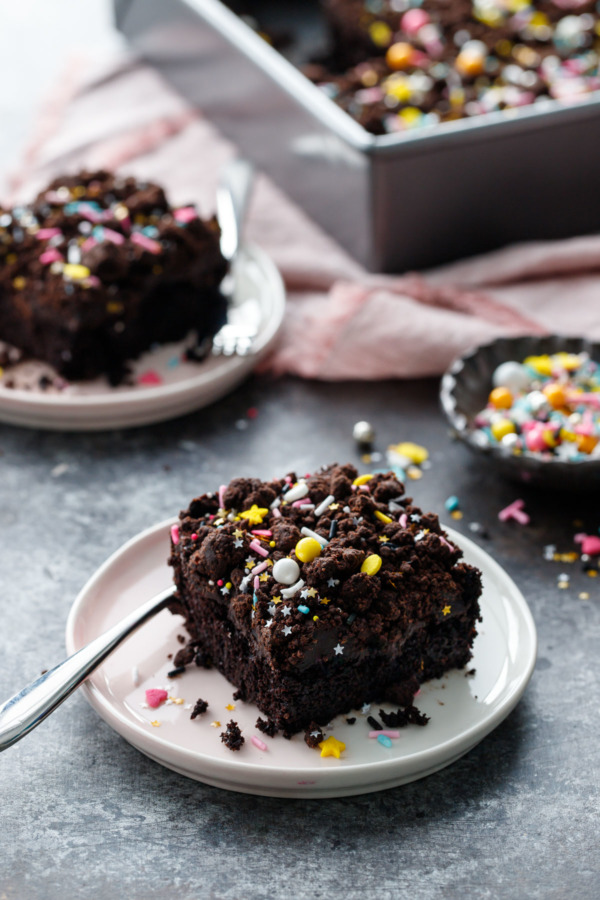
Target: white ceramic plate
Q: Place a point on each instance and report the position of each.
(462, 709)
(183, 387)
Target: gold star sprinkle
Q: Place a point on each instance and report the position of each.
(276, 599)
(230, 706)
(383, 539)
(178, 700)
(334, 506)
(447, 610)
(250, 563)
(238, 533)
(155, 724)
(255, 514)
(263, 577)
(215, 724)
(584, 595)
(311, 592)
(325, 600)
(332, 747)
(456, 514)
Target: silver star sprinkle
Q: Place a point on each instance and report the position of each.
(333, 582)
(287, 630)
(338, 649)
(286, 610)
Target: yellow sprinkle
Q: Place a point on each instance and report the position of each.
(592, 573)
(272, 543)
(456, 514)
(215, 724)
(366, 459)
(11, 258)
(584, 595)
(371, 565)
(413, 473)
(362, 479)
(381, 34)
(113, 306)
(332, 747)
(264, 577)
(315, 618)
(563, 585)
(447, 610)
(228, 585)
(19, 283)
(383, 539)
(78, 191)
(382, 517)
(76, 271)
(308, 549)
(230, 706)
(415, 452)
(255, 514)
(155, 724)
(540, 364)
(276, 599)
(410, 115)
(178, 700)
(324, 601)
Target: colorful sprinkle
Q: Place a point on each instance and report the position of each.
(155, 696)
(385, 733)
(515, 511)
(175, 534)
(258, 743)
(384, 740)
(332, 747)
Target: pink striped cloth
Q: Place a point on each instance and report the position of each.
(341, 322)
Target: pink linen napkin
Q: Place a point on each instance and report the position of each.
(341, 321)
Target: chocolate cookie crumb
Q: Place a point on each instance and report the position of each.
(267, 727)
(403, 717)
(200, 707)
(351, 721)
(314, 736)
(239, 695)
(232, 737)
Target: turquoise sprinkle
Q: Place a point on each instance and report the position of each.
(303, 609)
(71, 208)
(351, 618)
(173, 362)
(98, 233)
(150, 231)
(452, 503)
(384, 740)
(254, 599)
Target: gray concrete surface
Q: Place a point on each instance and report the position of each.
(84, 815)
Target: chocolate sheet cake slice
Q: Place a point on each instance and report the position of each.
(99, 268)
(315, 595)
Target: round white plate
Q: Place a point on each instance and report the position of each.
(463, 708)
(180, 386)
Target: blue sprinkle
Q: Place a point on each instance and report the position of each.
(303, 609)
(173, 362)
(351, 618)
(98, 233)
(384, 740)
(254, 599)
(71, 208)
(150, 231)
(452, 503)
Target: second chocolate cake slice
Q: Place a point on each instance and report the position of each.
(316, 595)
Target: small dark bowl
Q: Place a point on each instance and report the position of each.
(464, 392)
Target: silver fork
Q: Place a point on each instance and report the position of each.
(237, 336)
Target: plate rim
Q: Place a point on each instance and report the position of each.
(69, 403)
(467, 738)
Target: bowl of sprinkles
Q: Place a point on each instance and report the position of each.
(532, 406)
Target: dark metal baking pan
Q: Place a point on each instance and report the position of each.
(396, 202)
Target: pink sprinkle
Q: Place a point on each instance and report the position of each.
(150, 377)
(194, 537)
(256, 582)
(154, 697)
(364, 487)
(353, 488)
(254, 545)
(222, 490)
(89, 244)
(413, 20)
(54, 197)
(142, 240)
(88, 212)
(514, 511)
(211, 516)
(92, 281)
(390, 734)
(261, 568)
(403, 520)
(263, 532)
(288, 478)
(113, 236)
(258, 743)
(303, 502)
(50, 256)
(185, 214)
(220, 582)
(175, 533)
(44, 234)
(445, 542)
(276, 513)
(590, 544)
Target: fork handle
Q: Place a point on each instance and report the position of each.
(233, 194)
(30, 706)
